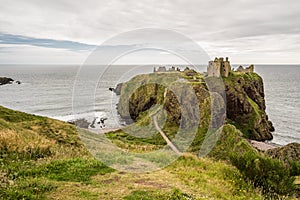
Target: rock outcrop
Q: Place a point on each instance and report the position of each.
(117, 90)
(5, 80)
(244, 93)
(82, 123)
(287, 153)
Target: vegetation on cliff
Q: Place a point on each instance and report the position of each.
(246, 105)
(286, 153)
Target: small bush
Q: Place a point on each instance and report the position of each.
(294, 168)
(268, 174)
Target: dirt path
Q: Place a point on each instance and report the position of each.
(171, 145)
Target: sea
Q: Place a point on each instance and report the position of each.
(68, 92)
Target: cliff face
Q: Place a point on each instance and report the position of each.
(244, 93)
(246, 105)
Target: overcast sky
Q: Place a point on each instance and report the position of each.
(66, 31)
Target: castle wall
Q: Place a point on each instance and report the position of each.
(213, 69)
(226, 68)
(249, 69)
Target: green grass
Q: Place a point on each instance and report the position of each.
(157, 195)
(28, 189)
(74, 169)
(16, 116)
(266, 173)
(70, 172)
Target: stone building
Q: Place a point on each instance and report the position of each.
(160, 69)
(240, 69)
(219, 67)
(246, 70)
(164, 69)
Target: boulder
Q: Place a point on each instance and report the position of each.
(82, 123)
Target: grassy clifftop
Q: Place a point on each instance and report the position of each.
(38, 153)
(43, 158)
(25, 135)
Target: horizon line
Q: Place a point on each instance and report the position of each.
(68, 64)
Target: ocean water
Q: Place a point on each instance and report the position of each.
(59, 91)
(282, 94)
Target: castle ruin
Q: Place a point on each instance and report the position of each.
(246, 70)
(164, 69)
(219, 67)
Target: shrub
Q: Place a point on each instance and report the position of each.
(294, 168)
(266, 173)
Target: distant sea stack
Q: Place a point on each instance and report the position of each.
(245, 108)
(6, 80)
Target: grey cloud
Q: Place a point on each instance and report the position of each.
(221, 23)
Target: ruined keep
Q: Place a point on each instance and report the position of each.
(219, 67)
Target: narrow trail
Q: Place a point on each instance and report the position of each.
(171, 145)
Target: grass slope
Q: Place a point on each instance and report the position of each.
(42, 158)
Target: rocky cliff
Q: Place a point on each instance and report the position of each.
(245, 107)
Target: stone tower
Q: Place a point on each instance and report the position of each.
(213, 69)
(226, 68)
(219, 67)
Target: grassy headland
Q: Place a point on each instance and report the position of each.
(43, 158)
